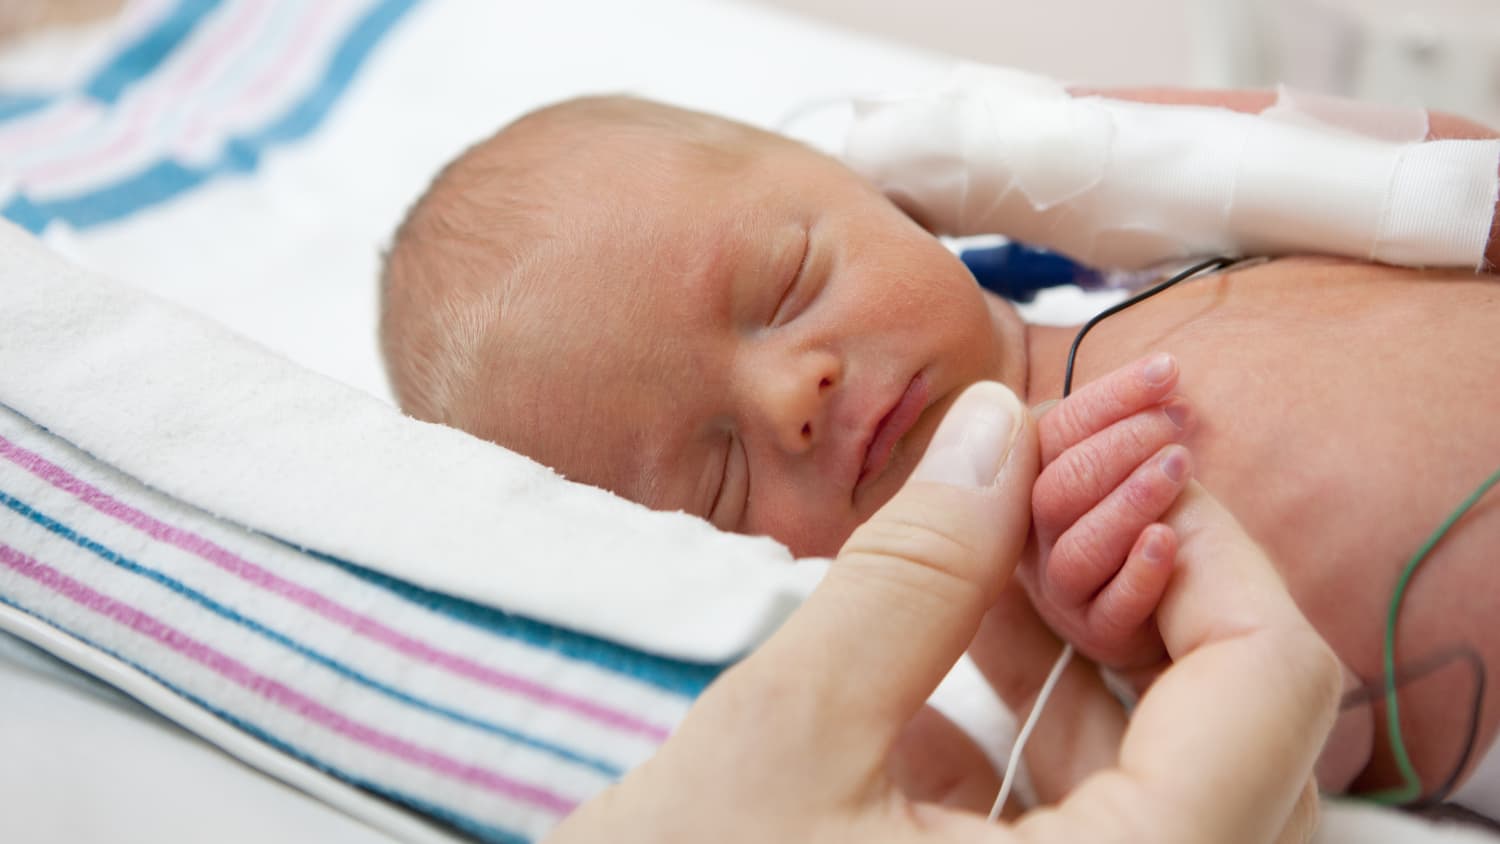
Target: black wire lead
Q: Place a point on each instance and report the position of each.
(1212, 263)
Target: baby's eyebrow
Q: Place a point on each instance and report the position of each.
(720, 270)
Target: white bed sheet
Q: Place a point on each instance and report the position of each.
(125, 774)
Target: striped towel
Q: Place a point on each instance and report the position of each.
(488, 722)
(196, 90)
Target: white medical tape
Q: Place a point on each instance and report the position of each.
(1126, 184)
(1300, 188)
(1448, 191)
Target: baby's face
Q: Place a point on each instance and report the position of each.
(768, 345)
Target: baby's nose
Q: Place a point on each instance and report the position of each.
(795, 396)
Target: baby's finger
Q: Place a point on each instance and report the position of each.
(1090, 552)
(1104, 401)
(1083, 475)
(1121, 613)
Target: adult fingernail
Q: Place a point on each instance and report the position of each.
(974, 439)
(1038, 411)
(1159, 369)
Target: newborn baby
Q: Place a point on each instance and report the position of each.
(704, 317)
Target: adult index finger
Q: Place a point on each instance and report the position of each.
(907, 591)
(1224, 741)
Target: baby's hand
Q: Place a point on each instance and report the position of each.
(1111, 468)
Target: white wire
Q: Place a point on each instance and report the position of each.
(1014, 763)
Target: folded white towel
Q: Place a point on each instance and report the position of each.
(209, 418)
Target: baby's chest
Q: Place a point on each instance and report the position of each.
(1343, 445)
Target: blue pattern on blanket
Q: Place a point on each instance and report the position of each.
(204, 90)
(495, 725)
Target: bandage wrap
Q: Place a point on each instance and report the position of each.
(1126, 184)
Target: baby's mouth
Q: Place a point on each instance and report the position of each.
(894, 425)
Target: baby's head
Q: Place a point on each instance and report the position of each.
(689, 312)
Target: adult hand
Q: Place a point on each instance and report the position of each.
(792, 744)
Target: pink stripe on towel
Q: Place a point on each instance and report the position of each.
(326, 607)
(142, 115)
(277, 692)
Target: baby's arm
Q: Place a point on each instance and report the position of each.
(1112, 468)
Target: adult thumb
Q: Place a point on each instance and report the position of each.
(908, 589)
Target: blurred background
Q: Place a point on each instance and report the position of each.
(1441, 53)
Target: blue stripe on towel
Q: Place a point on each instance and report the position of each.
(208, 603)
(18, 105)
(673, 675)
(157, 183)
(130, 65)
(149, 51)
(346, 61)
(478, 829)
(166, 178)
(26, 214)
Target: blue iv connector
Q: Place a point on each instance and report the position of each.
(1017, 271)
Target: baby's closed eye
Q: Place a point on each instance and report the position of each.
(732, 493)
(793, 299)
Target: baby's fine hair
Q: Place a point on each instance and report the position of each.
(477, 248)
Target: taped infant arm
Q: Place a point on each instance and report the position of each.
(1131, 183)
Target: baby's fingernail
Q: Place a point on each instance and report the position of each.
(1159, 369)
(1179, 413)
(1155, 548)
(974, 439)
(1174, 464)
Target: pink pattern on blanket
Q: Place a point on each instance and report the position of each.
(326, 607)
(138, 124)
(277, 692)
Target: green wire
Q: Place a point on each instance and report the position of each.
(1411, 789)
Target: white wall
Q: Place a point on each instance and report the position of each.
(1096, 41)
(1441, 53)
